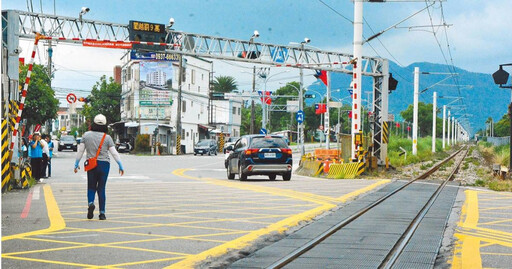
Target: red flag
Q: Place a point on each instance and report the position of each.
(320, 108)
(265, 97)
(321, 75)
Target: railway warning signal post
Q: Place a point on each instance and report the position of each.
(501, 78)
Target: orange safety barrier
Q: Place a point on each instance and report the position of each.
(326, 154)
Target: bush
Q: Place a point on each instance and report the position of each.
(142, 143)
(500, 185)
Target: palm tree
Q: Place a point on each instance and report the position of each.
(224, 84)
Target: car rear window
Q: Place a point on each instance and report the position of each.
(67, 138)
(268, 142)
(203, 143)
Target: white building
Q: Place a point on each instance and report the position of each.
(227, 116)
(157, 104)
(68, 117)
(158, 78)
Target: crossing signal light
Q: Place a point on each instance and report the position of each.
(392, 83)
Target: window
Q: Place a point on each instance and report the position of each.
(234, 110)
(189, 86)
(182, 133)
(191, 103)
(184, 106)
(238, 111)
(193, 76)
(202, 76)
(198, 88)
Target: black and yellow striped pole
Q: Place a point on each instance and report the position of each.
(178, 144)
(221, 142)
(385, 132)
(6, 173)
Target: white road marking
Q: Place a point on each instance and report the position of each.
(36, 193)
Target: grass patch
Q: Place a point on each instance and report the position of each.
(500, 185)
(424, 151)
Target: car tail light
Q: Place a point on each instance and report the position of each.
(249, 168)
(251, 151)
(287, 151)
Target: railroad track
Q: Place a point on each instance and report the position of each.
(386, 260)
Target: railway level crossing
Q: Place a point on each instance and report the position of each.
(60, 29)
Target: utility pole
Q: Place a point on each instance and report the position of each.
(453, 130)
(444, 125)
(178, 113)
(358, 52)
(449, 127)
(415, 111)
(327, 126)
(434, 118)
(301, 108)
(252, 100)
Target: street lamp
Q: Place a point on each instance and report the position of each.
(501, 78)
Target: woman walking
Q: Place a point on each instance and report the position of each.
(98, 144)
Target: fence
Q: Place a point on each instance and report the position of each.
(499, 141)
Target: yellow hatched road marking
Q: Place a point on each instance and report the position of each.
(56, 221)
(325, 202)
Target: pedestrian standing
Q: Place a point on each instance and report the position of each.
(36, 156)
(50, 148)
(46, 155)
(29, 151)
(98, 144)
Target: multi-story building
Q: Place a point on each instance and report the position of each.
(68, 117)
(153, 102)
(227, 116)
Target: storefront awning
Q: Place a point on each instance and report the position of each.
(206, 127)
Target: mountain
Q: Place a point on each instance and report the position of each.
(483, 99)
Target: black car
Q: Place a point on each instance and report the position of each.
(67, 142)
(208, 146)
(260, 155)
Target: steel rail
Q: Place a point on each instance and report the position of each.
(317, 240)
(400, 245)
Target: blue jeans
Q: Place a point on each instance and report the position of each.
(96, 181)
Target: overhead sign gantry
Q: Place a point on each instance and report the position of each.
(97, 33)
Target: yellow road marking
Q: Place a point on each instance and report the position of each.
(48, 261)
(57, 223)
(326, 203)
(467, 247)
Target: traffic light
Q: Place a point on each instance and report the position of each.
(307, 95)
(83, 99)
(155, 132)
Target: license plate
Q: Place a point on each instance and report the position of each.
(68, 147)
(269, 155)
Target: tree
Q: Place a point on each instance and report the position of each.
(282, 120)
(104, 99)
(40, 103)
(224, 84)
(502, 127)
(424, 119)
(246, 118)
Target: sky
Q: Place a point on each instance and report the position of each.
(479, 35)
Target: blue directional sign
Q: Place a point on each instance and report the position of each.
(263, 131)
(279, 54)
(300, 116)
